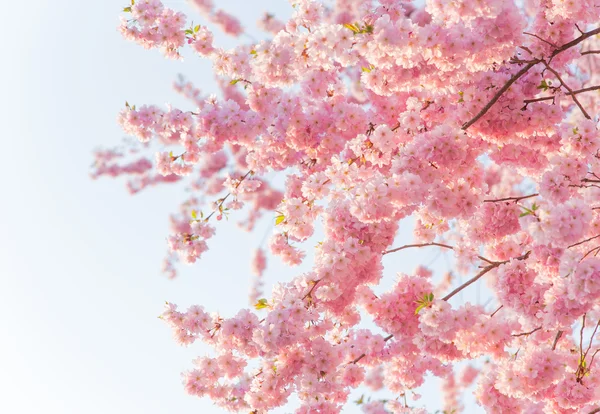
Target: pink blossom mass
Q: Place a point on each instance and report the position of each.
(474, 120)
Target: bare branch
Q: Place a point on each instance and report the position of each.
(496, 311)
(515, 199)
(527, 333)
(543, 40)
(573, 95)
(547, 98)
(418, 245)
(558, 335)
(584, 241)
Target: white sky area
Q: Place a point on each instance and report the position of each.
(80, 281)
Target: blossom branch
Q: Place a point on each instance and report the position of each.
(527, 333)
(515, 199)
(524, 70)
(584, 241)
(419, 245)
(547, 98)
(480, 274)
(387, 338)
(558, 335)
(222, 201)
(500, 92)
(573, 95)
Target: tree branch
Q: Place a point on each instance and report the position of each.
(498, 94)
(515, 199)
(547, 98)
(573, 95)
(418, 245)
(558, 335)
(527, 333)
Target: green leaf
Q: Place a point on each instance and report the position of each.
(365, 69)
(253, 52)
(197, 29)
(421, 306)
(194, 214)
(132, 2)
(361, 400)
(189, 31)
(261, 304)
(543, 85)
(424, 302)
(234, 81)
(279, 219)
(525, 214)
(127, 9)
(352, 27)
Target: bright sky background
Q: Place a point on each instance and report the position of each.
(80, 281)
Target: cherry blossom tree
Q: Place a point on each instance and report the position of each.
(475, 119)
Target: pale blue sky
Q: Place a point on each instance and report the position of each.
(79, 264)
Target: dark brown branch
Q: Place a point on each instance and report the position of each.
(515, 199)
(418, 245)
(524, 70)
(472, 280)
(558, 335)
(496, 311)
(547, 98)
(589, 52)
(498, 94)
(584, 241)
(575, 41)
(309, 294)
(543, 40)
(527, 333)
(485, 270)
(387, 338)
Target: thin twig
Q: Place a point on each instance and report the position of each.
(472, 280)
(418, 245)
(543, 40)
(227, 196)
(584, 241)
(515, 199)
(387, 338)
(527, 333)
(573, 95)
(496, 311)
(547, 98)
(485, 270)
(315, 283)
(558, 335)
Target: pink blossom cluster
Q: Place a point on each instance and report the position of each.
(477, 122)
